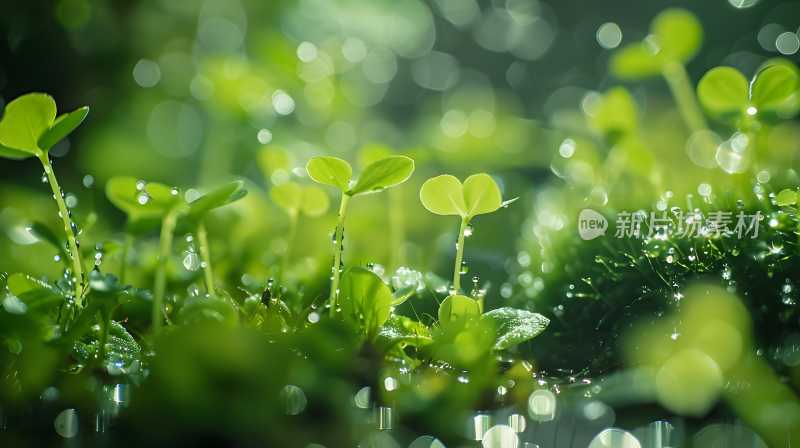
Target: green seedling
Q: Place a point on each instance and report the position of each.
(310, 201)
(145, 202)
(727, 96)
(29, 128)
(376, 177)
(444, 195)
(676, 36)
(199, 208)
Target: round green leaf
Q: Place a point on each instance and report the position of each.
(773, 86)
(481, 195)
(443, 195)
(786, 197)
(212, 200)
(383, 173)
(122, 192)
(633, 63)
(723, 90)
(365, 300)
(456, 312)
(315, 201)
(63, 125)
(618, 113)
(331, 171)
(681, 34)
(288, 197)
(25, 120)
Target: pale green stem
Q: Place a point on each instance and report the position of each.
(73, 245)
(396, 228)
(683, 93)
(123, 269)
(337, 253)
(205, 257)
(285, 258)
(459, 254)
(164, 250)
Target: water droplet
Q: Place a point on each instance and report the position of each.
(293, 399)
(191, 262)
(469, 230)
(669, 194)
(464, 268)
(626, 311)
(74, 229)
(57, 258)
(66, 423)
(143, 198)
(175, 191)
(45, 178)
(141, 185)
(390, 383)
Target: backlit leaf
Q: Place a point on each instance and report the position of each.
(214, 199)
(62, 126)
(383, 173)
(456, 312)
(331, 171)
(786, 197)
(773, 86)
(723, 90)
(443, 195)
(364, 299)
(515, 326)
(481, 195)
(25, 120)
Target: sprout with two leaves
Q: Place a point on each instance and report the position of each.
(29, 128)
(444, 195)
(376, 177)
(148, 203)
(311, 201)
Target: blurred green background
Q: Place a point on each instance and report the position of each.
(198, 93)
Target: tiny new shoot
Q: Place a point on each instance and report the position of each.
(310, 201)
(445, 195)
(376, 177)
(29, 128)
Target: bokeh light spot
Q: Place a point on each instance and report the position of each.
(264, 136)
(609, 35)
(787, 43)
(146, 73)
(307, 52)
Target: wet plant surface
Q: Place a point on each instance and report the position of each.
(548, 233)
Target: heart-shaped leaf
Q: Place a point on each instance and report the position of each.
(675, 36)
(481, 195)
(62, 126)
(515, 326)
(443, 195)
(364, 299)
(617, 115)
(383, 173)
(288, 197)
(293, 198)
(772, 86)
(331, 171)
(456, 312)
(723, 90)
(315, 201)
(25, 120)
(214, 199)
(786, 197)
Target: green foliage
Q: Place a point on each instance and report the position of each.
(617, 114)
(444, 195)
(515, 326)
(457, 312)
(294, 199)
(676, 35)
(786, 197)
(377, 176)
(365, 300)
(200, 309)
(215, 199)
(723, 90)
(401, 329)
(30, 127)
(331, 171)
(122, 191)
(121, 347)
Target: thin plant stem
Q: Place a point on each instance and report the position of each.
(123, 269)
(396, 228)
(459, 254)
(285, 258)
(683, 93)
(337, 253)
(164, 250)
(73, 244)
(205, 257)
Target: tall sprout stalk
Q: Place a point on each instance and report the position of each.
(459, 254)
(80, 288)
(164, 250)
(124, 268)
(205, 257)
(337, 253)
(684, 95)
